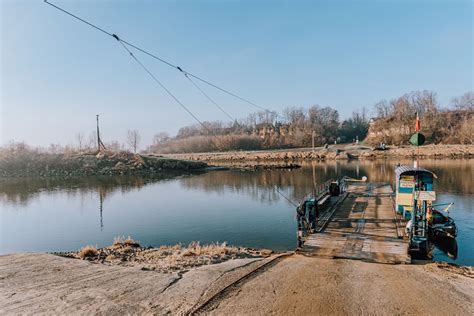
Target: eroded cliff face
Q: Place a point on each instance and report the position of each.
(450, 127)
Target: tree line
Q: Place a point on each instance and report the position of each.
(295, 127)
(388, 121)
(394, 119)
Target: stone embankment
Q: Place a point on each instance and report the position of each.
(336, 152)
(104, 163)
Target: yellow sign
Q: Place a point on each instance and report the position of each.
(407, 181)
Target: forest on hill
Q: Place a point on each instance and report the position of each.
(388, 121)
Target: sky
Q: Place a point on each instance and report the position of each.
(57, 73)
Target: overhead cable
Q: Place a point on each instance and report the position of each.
(159, 82)
(189, 74)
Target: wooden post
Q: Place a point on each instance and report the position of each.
(98, 134)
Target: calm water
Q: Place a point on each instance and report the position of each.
(240, 207)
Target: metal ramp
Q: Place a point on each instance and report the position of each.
(361, 225)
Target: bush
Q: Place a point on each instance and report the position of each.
(88, 252)
(125, 242)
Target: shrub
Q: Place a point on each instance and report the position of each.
(88, 252)
(120, 242)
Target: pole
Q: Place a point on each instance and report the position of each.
(98, 135)
(314, 135)
(101, 203)
(418, 156)
(417, 130)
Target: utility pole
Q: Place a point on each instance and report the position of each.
(98, 134)
(99, 141)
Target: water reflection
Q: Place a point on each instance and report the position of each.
(21, 192)
(454, 176)
(239, 206)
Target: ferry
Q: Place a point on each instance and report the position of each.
(414, 203)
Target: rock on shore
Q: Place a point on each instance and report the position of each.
(337, 152)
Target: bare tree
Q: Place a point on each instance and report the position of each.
(80, 140)
(464, 102)
(251, 120)
(383, 109)
(160, 138)
(294, 116)
(133, 139)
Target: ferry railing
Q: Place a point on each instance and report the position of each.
(320, 192)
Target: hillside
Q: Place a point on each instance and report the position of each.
(448, 127)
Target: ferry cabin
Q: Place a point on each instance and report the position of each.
(410, 181)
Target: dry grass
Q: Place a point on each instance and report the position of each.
(120, 242)
(213, 250)
(127, 251)
(178, 257)
(88, 252)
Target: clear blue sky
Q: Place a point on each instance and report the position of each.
(57, 73)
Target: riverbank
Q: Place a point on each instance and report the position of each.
(333, 152)
(35, 164)
(177, 258)
(278, 284)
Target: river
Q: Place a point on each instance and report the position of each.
(240, 207)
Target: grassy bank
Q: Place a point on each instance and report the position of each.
(39, 164)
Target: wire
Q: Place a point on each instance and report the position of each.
(80, 19)
(285, 197)
(159, 83)
(158, 58)
(229, 93)
(208, 97)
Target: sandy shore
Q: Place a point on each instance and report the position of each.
(333, 152)
(46, 283)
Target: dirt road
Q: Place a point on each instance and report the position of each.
(301, 285)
